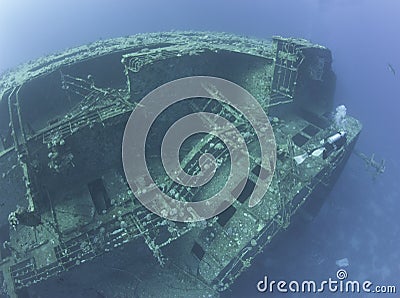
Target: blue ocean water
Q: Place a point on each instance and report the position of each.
(360, 220)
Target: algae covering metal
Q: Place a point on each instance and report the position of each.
(67, 207)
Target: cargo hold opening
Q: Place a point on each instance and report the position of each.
(99, 196)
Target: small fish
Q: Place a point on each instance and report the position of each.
(391, 68)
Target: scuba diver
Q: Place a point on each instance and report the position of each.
(332, 143)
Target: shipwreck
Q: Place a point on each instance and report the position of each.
(65, 204)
